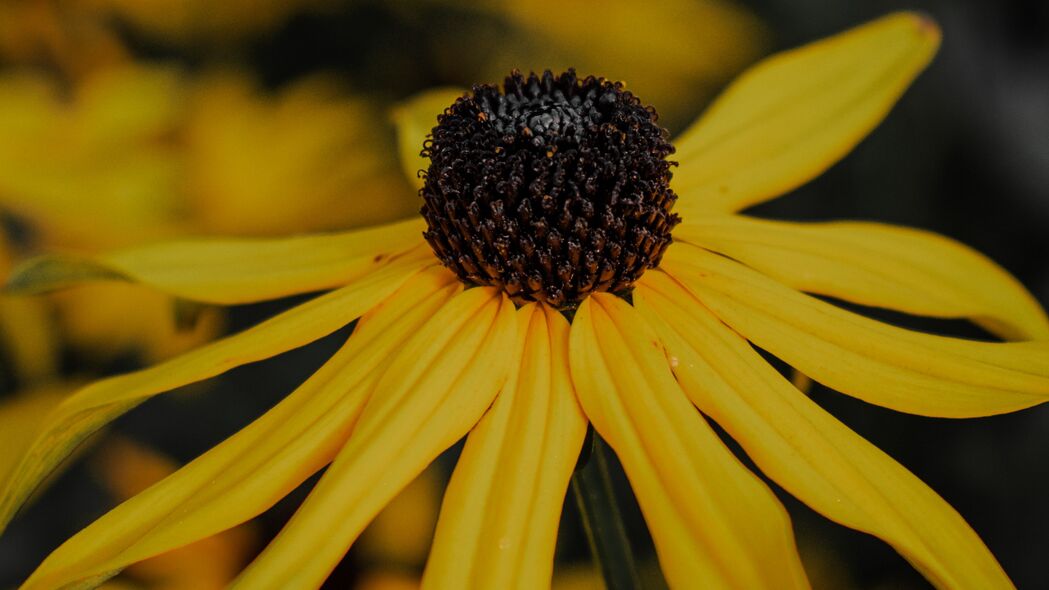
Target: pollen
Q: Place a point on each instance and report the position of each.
(550, 187)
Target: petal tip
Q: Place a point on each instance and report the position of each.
(54, 272)
(926, 26)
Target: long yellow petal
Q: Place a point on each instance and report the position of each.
(415, 118)
(498, 523)
(99, 403)
(881, 364)
(231, 271)
(431, 394)
(715, 524)
(804, 449)
(787, 119)
(879, 265)
(253, 469)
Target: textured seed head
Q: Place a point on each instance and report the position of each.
(551, 187)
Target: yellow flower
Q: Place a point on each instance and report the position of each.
(430, 362)
(690, 46)
(162, 155)
(309, 158)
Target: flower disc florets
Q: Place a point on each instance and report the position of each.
(551, 187)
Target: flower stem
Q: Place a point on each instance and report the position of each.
(609, 545)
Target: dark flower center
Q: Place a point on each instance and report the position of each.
(551, 188)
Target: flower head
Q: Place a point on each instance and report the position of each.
(550, 188)
(437, 354)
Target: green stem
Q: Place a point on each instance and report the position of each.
(609, 545)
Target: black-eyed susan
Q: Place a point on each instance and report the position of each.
(549, 198)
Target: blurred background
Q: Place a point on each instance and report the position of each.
(125, 121)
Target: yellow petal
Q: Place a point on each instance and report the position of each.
(431, 394)
(232, 271)
(99, 403)
(787, 119)
(498, 523)
(253, 469)
(714, 523)
(881, 364)
(415, 118)
(878, 265)
(804, 449)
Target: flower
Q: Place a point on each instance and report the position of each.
(431, 361)
(164, 154)
(706, 41)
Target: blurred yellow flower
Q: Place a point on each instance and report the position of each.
(96, 167)
(142, 152)
(139, 153)
(305, 159)
(673, 53)
(467, 331)
(401, 533)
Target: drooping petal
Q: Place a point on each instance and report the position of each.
(415, 118)
(714, 523)
(231, 271)
(101, 402)
(878, 265)
(256, 467)
(429, 396)
(878, 363)
(499, 518)
(808, 452)
(787, 119)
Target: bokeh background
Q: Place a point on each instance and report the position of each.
(125, 121)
